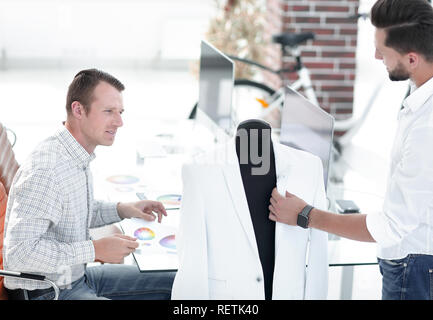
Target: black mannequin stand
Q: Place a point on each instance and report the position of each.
(257, 165)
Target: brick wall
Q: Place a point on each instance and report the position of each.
(331, 56)
(274, 24)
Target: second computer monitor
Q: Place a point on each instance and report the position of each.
(215, 88)
(307, 127)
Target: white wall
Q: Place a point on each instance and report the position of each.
(124, 32)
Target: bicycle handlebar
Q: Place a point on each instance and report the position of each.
(288, 41)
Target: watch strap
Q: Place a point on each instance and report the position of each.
(303, 219)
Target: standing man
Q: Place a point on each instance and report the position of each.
(51, 208)
(404, 228)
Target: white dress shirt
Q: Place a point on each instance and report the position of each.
(405, 224)
(49, 213)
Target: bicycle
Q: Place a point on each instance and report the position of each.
(248, 93)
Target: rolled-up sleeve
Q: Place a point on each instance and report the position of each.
(409, 199)
(104, 213)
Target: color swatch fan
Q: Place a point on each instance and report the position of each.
(170, 201)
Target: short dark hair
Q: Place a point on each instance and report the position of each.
(408, 25)
(85, 81)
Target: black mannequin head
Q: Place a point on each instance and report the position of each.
(254, 146)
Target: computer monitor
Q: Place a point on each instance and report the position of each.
(215, 90)
(307, 127)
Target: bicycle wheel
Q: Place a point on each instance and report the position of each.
(250, 98)
(254, 100)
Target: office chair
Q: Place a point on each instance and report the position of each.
(8, 168)
(8, 164)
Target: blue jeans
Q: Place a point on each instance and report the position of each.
(117, 282)
(410, 278)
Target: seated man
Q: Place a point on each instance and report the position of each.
(51, 208)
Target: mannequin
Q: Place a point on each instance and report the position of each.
(227, 247)
(257, 165)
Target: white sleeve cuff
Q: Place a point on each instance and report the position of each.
(377, 227)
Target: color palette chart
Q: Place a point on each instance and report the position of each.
(123, 179)
(170, 200)
(144, 234)
(157, 243)
(124, 189)
(168, 242)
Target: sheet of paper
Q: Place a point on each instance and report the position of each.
(157, 242)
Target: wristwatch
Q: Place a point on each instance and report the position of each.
(303, 216)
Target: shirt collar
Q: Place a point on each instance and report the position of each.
(418, 96)
(75, 149)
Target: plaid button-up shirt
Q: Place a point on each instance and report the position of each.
(49, 213)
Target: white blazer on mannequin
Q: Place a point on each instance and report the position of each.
(217, 249)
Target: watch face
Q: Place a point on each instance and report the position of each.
(302, 221)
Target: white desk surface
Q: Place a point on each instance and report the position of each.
(156, 174)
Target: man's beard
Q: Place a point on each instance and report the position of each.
(399, 73)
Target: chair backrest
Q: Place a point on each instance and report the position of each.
(8, 164)
(8, 169)
(3, 202)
